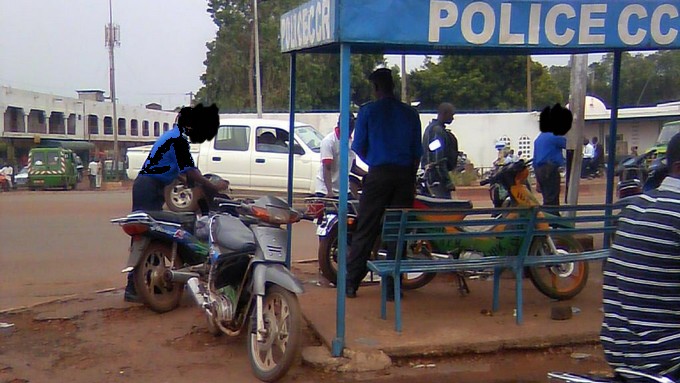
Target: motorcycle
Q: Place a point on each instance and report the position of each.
(640, 174)
(325, 213)
(622, 375)
(233, 264)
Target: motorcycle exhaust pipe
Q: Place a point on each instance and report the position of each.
(193, 287)
(178, 276)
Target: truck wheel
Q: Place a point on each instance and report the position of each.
(181, 198)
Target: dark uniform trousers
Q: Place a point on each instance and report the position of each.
(384, 186)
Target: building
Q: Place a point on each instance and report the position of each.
(84, 124)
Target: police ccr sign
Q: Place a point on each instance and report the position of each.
(544, 23)
(539, 25)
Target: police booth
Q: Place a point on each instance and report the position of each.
(467, 27)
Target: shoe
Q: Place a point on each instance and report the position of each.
(351, 292)
(130, 291)
(131, 297)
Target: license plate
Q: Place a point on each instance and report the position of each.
(39, 181)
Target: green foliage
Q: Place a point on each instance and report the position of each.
(229, 79)
(482, 83)
(645, 79)
(471, 82)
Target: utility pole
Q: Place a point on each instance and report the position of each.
(191, 98)
(113, 40)
(528, 83)
(404, 88)
(579, 77)
(258, 86)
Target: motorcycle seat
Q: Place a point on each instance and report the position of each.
(187, 220)
(442, 203)
(232, 234)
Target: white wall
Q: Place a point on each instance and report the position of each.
(476, 133)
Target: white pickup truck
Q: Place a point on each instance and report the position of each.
(251, 153)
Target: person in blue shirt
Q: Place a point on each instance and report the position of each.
(554, 123)
(170, 157)
(387, 137)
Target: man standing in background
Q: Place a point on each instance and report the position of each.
(93, 170)
(554, 123)
(440, 153)
(388, 139)
(328, 178)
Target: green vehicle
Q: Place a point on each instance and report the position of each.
(668, 130)
(52, 168)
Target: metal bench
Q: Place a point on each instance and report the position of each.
(402, 226)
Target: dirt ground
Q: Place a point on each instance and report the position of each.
(99, 338)
(96, 337)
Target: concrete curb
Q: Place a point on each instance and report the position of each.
(363, 360)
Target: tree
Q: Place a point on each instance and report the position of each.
(229, 79)
(481, 83)
(645, 79)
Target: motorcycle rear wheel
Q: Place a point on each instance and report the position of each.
(157, 294)
(271, 358)
(563, 281)
(328, 261)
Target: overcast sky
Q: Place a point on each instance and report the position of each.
(57, 46)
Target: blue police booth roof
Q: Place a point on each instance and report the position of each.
(520, 26)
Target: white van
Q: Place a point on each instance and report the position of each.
(252, 154)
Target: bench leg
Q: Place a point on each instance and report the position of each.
(496, 288)
(519, 282)
(397, 302)
(383, 298)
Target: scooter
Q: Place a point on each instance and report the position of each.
(160, 240)
(636, 177)
(325, 214)
(234, 268)
(622, 375)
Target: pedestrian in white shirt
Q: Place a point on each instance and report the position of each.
(8, 172)
(588, 154)
(93, 170)
(328, 178)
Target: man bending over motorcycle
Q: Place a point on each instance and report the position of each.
(170, 157)
(641, 289)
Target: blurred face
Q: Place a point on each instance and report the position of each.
(447, 118)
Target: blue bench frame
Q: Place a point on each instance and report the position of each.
(404, 225)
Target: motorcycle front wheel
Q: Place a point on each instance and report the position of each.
(562, 281)
(157, 294)
(272, 357)
(328, 260)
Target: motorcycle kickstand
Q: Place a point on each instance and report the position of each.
(463, 288)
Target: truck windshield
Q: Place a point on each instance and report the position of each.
(668, 131)
(310, 136)
(39, 158)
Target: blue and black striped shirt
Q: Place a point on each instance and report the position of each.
(641, 290)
